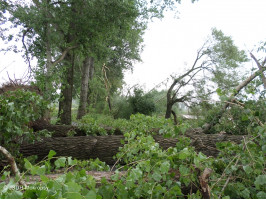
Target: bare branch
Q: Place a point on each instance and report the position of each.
(63, 55)
(243, 84)
(204, 179)
(263, 78)
(13, 165)
(26, 49)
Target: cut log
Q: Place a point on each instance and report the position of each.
(65, 130)
(105, 147)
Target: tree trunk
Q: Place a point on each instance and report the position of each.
(67, 130)
(175, 117)
(108, 98)
(105, 147)
(168, 110)
(88, 62)
(91, 74)
(65, 101)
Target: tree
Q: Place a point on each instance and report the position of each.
(231, 99)
(87, 71)
(57, 32)
(217, 59)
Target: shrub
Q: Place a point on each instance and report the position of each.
(17, 109)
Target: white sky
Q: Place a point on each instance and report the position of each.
(172, 42)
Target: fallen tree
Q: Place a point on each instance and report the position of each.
(65, 130)
(105, 147)
(231, 99)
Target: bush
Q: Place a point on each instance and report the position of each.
(142, 103)
(137, 103)
(17, 109)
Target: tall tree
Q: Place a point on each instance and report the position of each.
(86, 74)
(217, 58)
(55, 32)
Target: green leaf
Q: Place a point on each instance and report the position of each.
(234, 168)
(60, 162)
(184, 171)
(244, 118)
(175, 191)
(73, 187)
(184, 154)
(91, 195)
(219, 91)
(34, 170)
(156, 176)
(263, 149)
(14, 195)
(248, 169)
(260, 180)
(27, 164)
(51, 154)
(261, 195)
(10, 185)
(44, 178)
(115, 177)
(82, 173)
(41, 170)
(71, 162)
(245, 193)
(165, 166)
(136, 173)
(73, 195)
(5, 175)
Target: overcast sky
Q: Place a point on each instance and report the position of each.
(171, 43)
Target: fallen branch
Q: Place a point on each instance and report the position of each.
(204, 179)
(215, 120)
(13, 165)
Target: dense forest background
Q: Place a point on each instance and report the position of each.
(68, 130)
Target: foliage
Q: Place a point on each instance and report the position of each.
(214, 68)
(95, 124)
(121, 107)
(242, 116)
(17, 109)
(133, 104)
(243, 165)
(141, 103)
(149, 171)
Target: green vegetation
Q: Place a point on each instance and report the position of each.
(149, 171)
(17, 110)
(82, 49)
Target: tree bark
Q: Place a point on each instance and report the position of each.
(175, 117)
(67, 130)
(87, 65)
(168, 109)
(105, 147)
(65, 101)
(91, 74)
